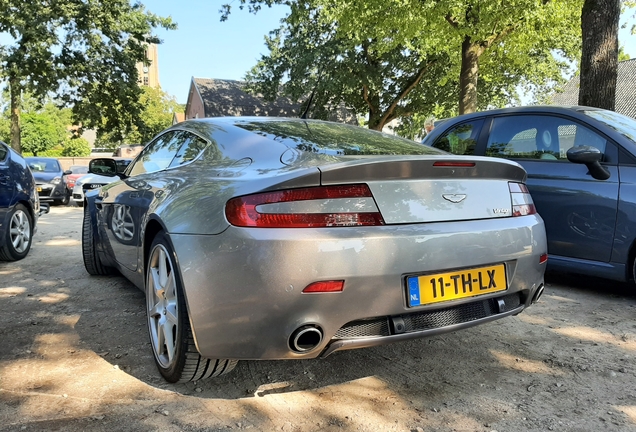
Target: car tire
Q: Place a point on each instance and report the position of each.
(18, 236)
(65, 200)
(169, 328)
(79, 203)
(92, 262)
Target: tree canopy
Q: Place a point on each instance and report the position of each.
(449, 56)
(84, 53)
(157, 108)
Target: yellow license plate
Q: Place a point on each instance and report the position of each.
(434, 288)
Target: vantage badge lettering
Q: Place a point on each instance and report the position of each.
(441, 287)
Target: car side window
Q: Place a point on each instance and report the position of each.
(158, 155)
(190, 150)
(460, 139)
(3, 152)
(539, 137)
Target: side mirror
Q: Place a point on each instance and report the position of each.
(590, 157)
(103, 166)
(67, 172)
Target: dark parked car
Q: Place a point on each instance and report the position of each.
(49, 177)
(19, 205)
(270, 238)
(581, 165)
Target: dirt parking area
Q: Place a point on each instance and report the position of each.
(74, 356)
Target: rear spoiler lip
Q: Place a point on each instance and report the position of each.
(420, 167)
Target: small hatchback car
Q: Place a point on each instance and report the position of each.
(49, 177)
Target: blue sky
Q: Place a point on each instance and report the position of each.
(204, 47)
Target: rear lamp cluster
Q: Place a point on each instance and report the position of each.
(244, 211)
(522, 204)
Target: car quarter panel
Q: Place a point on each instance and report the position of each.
(228, 276)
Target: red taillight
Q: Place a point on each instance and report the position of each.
(543, 258)
(324, 286)
(243, 211)
(522, 204)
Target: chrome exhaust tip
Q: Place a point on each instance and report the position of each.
(305, 338)
(538, 293)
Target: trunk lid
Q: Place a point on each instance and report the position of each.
(432, 189)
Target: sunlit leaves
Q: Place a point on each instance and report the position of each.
(84, 52)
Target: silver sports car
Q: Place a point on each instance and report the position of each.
(270, 238)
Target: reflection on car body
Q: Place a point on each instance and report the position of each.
(95, 181)
(270, 238)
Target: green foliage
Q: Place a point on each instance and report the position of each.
(40, 132)
(365, 53)
(156, 115)
(76, 147)
(85, 52)
(5, 129)
(309, 57)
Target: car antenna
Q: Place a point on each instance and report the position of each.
(311, 97)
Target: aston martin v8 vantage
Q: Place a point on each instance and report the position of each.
(269, 238)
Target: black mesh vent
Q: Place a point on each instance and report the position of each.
(356, 329)
(429, 320)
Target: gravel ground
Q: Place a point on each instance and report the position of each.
(74, 356)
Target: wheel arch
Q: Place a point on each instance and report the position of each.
(29, 207)
(151, 230)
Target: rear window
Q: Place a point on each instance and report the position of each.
(335, 139)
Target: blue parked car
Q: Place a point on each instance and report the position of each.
(19, 205)
(581, 165)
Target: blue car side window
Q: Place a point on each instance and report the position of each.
(546, 138)
(461, 139)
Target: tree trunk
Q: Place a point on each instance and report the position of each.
(468, 76)
(16, 102)
(375, 121)
(599, 56)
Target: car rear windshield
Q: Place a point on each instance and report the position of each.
(45, 165)
(336, 139)
(620, 123)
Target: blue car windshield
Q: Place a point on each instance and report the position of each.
(43, 164)
(624, 125)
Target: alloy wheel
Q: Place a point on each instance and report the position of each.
(20, 231)
(162, 303)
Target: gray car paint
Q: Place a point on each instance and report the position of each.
(243, 284)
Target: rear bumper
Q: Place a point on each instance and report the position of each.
(243, 287)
